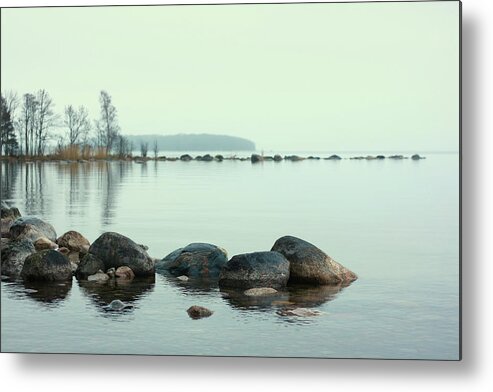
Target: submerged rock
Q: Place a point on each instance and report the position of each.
(416, 157)
(258, 269)
(309, 264)
(117, 306)
(186, 158)
(13, 255)
(74, 241)
(197, 312)
(116, 250)
(260, 291)
(99, 276)
(196, 260)
(32, 228)
(299, 312)
(47, 265)
(277, 158)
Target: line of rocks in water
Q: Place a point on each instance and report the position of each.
(254, 158)
(31, 251)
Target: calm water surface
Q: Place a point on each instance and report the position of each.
(394, 223)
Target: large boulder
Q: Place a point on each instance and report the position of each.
(197, 260)
(309, 264)
(88, 265)
(32, 228)
(8, 212)
(73, 241)
(13, 255)
(47, 265)
(258, 269)
(116, 250)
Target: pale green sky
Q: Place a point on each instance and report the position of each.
(370, 76)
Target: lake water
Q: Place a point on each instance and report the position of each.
(394, 223)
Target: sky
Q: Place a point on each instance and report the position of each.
(312, 77)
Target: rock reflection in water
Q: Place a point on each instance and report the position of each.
(127, 291)
(189, 287)
(296, 296)
(51, 294)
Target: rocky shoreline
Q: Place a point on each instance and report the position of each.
(254, 158)
(32, 252)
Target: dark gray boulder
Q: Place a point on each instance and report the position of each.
(197, 260)
(308, 264)
(89, 265)
(47, 265)
(277, 158)
(13, 255)
(219, 158)
(333, 157)
(396, 157)
(32, 228)
(116, 250)
(197, 312)
(416, 157)
(256, 158)
(186, 158)
(258, 269)
(207, 158)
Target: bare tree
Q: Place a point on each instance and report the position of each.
(107, 126)
(123, 147)
(77, 123)
(8, 139)
(12, 104)
(144, 146)
(45, 119)
(28, 116)
(156, 149)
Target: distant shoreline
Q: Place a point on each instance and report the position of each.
(253, 158)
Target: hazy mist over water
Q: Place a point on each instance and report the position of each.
(370, 76)
(394, 223)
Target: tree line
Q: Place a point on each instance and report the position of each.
(28, 124)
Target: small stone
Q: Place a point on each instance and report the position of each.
(183, 278)
(44, 243)
(124, 272)
(99, 276)
(260, 291)
(117, 305)
(197, 312)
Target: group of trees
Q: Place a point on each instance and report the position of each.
(27, 125)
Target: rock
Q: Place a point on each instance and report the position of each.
(293, 158)
(197, 312)
(145, 247)
(277, 158)
(256, 158)
(117, 306)
(89, 265)
(111, 272)
(10, 213)
(186, 158)
(299, 312)
(207, 158)
(334, 157)
(116, 250)
(260, 291)
(84, 249)
(124, 272)
(416, 157)
(380, 156)
(47, 265)
(219, 158)
(396, 157)
(44, 243)
(183, 278)
(196, 260)
(99, 276)
(74, 241)
(258, 269)
(13, 255)
(32, 228)
(308, 264)
(312, 157)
